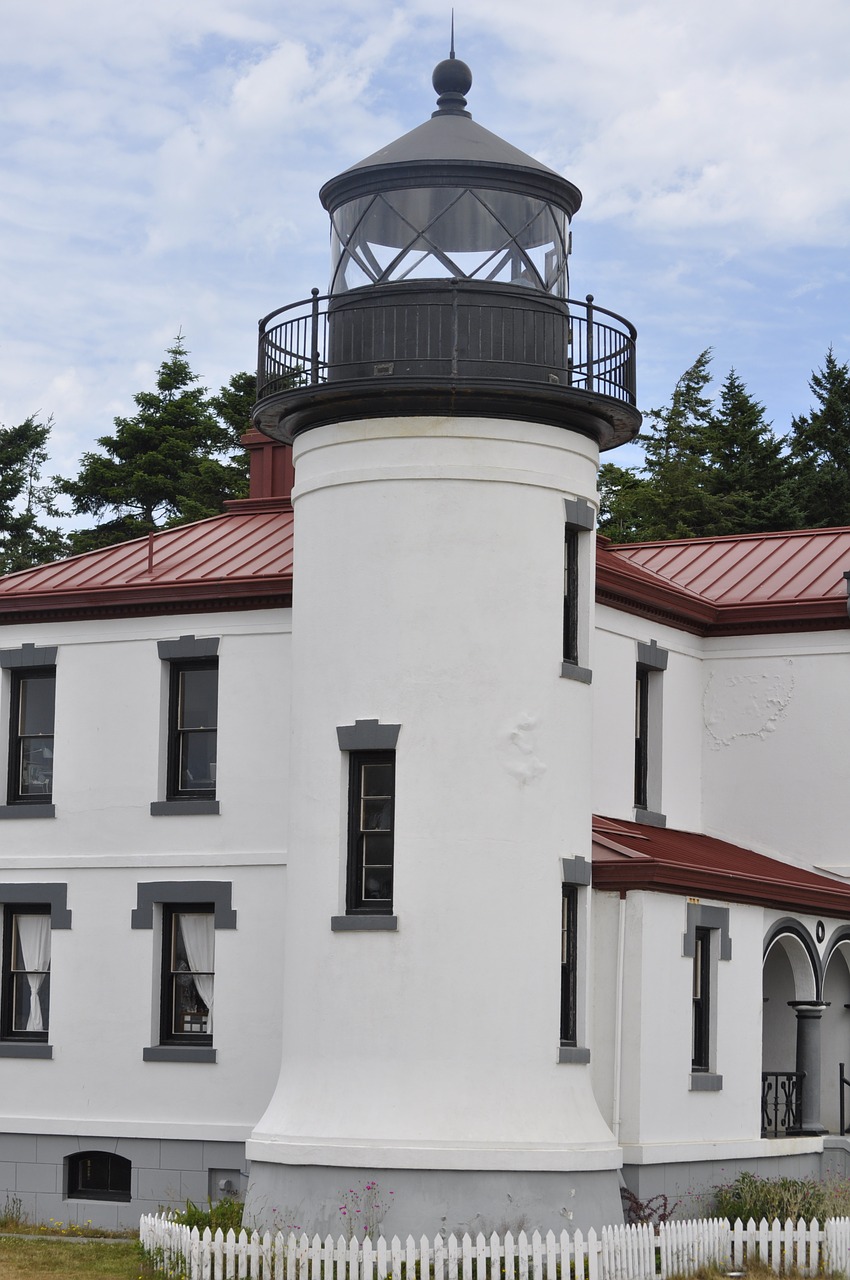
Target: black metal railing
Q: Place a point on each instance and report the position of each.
(843, 1083)
(447, 333)
(781, 1102)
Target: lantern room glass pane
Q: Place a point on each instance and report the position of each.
(450, 233)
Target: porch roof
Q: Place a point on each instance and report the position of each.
(629, 855)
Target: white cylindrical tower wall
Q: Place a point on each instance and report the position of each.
(429, 595)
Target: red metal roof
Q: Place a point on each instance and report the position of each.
(770, 581)
(235, 560)
(628, 855)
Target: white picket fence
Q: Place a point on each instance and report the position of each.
(614, 1253)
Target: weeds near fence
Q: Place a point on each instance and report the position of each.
(655, 1210)
(750, 1196)
(224, 1214)
(12, 1215)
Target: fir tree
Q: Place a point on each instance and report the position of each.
(820, 446)
(676, 501)
(174, 461)
(748, 474)
(25, 498)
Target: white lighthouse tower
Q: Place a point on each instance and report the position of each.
(447, 403)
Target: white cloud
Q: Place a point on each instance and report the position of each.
(161, 163)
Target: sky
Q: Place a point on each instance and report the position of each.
(160, 162)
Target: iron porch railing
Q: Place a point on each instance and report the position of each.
(781, 1102)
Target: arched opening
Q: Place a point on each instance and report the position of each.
(789, 974)
(835, 1032)
(97, 1175)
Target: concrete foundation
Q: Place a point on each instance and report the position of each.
(689, 1186)
(429, 1201)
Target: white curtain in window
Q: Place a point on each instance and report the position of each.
(199, 941)
(34, 936)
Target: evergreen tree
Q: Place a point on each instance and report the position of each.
(748, 474)
(174, 461)
(622, 494)
(24, 498)
(820, 446)
(676, 501)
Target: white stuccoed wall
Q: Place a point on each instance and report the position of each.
(109, 747)
(776, 711)
(430, 594)
(615, 657)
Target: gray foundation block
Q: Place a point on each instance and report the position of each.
(164, 1173)
(689, 1187)
(428, 1201)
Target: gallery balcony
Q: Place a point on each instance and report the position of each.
(447, 348)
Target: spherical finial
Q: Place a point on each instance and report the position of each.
(452, 76)
(452, 79)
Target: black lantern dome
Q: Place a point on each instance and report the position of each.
(448, 294)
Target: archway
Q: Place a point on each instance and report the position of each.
(835, 1043)
(790, 973)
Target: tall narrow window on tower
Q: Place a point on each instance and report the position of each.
(649, 672)
(370, 843)
(577, 527)
(370, 831)
(569, 922)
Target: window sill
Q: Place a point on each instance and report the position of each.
(572, 671)
(20, 1049)
(648, 818)
(183, 808)
(27, 811)
(178, 1053)
(705, 1082)
(573, 1053)
(364, 923)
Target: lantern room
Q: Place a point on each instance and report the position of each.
(448, 294)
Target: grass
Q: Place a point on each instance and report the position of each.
(22, 1259)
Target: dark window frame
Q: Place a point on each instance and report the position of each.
(357, 903)
(118, 1170)
(169, 976)
(642, 677)
(569, 964)
(571, 594)
(15, 794)
(177, 732)
(701, 1001)
(8, 1032)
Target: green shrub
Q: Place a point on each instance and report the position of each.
(224, 1213)
(750, 1196)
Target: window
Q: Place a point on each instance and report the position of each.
(706, 942)
(701, 1000)
(189, 912)
(575, 880)
(578, 523)
(188, 973)
(370, 831)
(651, 665)
(641, 736)
(31, 746)
(569, 955)
(25, 1013)
(193, 710)
(97, 1175)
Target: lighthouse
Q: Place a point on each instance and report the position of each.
(446, 402)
